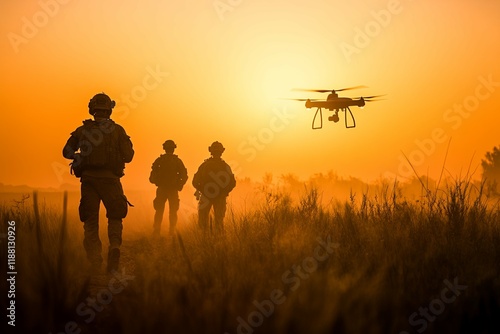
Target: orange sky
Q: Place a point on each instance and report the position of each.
(199, 71)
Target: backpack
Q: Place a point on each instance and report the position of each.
(99, 144)
(168, 171)
(214, 178)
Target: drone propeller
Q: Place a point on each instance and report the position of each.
(349, 88)
(312, 100)
(371, 98)
(327, 90)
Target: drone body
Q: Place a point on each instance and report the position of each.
(335, 103)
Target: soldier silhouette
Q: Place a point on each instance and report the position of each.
(99, 149)
(213, 182)
(169, 174)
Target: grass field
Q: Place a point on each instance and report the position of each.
(291, 260)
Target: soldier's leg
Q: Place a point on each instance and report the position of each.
(204, 206)
(159, 206)
(89, 215)
(219, 213)
(116, 209)
(115, 228)
(173, 207)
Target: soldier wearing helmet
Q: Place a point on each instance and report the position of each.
(169, 174)
(99, 150)
(213, 182)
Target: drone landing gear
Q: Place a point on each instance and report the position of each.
(334, 118)
(352, 117)
(320, 119)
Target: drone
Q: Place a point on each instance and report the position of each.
(335, 103)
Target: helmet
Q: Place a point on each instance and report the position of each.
(169, 144)
(100, 102)
(216, 147)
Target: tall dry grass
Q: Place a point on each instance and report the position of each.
(390, 257)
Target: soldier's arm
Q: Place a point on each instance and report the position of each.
(153, 175)
(71, 147)
(182, 172)
(196, 179)
(126, 147)
(156, 163)
(232, 180)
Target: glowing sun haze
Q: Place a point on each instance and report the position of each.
(200, 71)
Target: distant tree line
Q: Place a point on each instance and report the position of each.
(491, 170)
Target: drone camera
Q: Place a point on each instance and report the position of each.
(334, 118)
